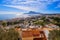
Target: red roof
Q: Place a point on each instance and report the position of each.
(30, 33)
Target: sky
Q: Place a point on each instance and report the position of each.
(20, 7)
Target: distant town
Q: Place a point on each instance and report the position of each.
(36, 27)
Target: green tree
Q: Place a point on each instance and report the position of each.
(11, 34)
(54, 35)
(4, 23)
(56, 21)
(39, 23)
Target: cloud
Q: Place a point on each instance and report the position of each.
(22, 7)
(58, 6)
(6, 12)
(30, 5)
(19, 1)
(29, 2)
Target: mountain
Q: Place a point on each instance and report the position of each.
(33, 12)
